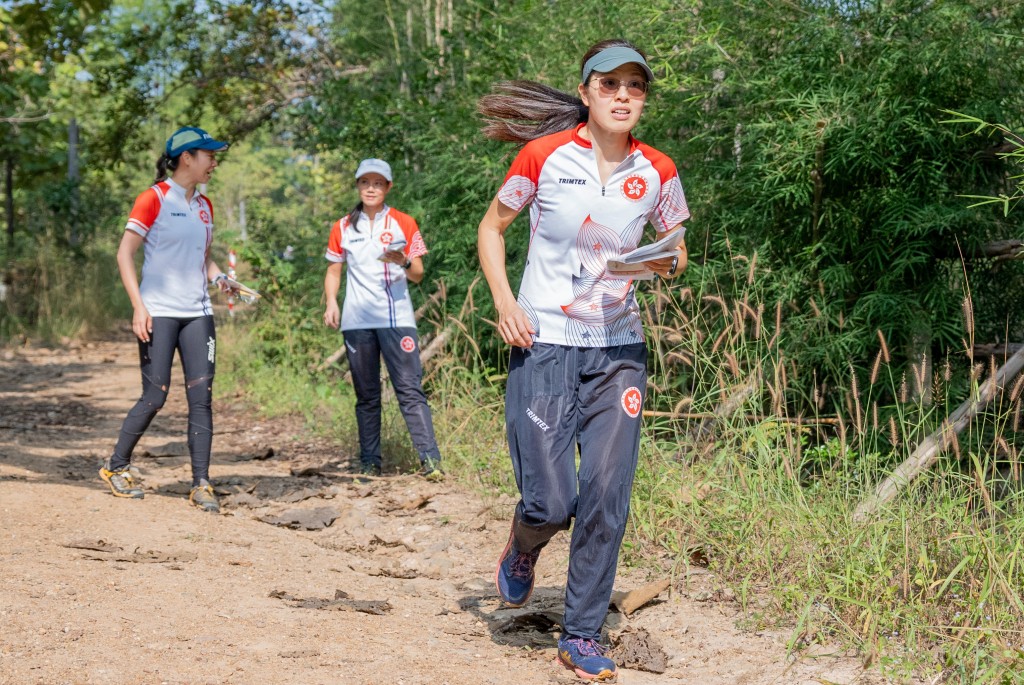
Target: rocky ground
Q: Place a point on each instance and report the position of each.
(308, 576)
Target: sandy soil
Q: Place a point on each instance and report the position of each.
(397, 589)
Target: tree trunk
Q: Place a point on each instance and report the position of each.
(9, 198)
(73, 179)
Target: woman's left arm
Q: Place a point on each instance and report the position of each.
(670, 267)
(415, 271)
(214, 273)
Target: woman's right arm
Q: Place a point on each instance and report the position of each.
(142, 322)
(513, 324)
(332, 282)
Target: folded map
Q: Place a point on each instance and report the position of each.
(630, 264)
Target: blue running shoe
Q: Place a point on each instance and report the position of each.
(514, 576)
(586, 658)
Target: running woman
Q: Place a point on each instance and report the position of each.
(578, 367)
(174, 223)
(384, 250)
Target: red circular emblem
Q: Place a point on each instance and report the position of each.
(632, 402)
(408, 344)
(634, 187)
(204, 215)
(386, 237)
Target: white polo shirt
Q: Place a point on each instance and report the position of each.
(577, 225)
(376, 292)
(177, 235)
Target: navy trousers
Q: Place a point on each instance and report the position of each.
(400, 348)
(560, 400)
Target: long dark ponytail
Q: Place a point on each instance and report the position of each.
(519, 111)
(353, 216)
(166, 164)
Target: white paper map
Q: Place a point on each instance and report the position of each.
(630, 265)
(247, 294)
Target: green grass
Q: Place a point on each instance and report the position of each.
(931, 584)
(57, 294)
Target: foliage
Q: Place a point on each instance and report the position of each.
(812, 137)
(1010, 147)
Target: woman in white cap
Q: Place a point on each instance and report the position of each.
(384, 250)
(173, 222)
(577, 373)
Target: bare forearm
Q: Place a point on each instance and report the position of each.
(491, 248)
(416, 270)
(129, 278)
(332, 282)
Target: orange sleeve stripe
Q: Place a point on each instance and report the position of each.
(146, 209)
(334, 241)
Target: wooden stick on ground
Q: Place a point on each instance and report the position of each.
(935, 444)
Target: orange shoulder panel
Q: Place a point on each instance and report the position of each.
(408, 225)
(147, 207)
(660, 161)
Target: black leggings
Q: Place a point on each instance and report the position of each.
(196, 342)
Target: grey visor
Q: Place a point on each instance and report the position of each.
(610, 59)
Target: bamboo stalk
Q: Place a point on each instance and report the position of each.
(928, 452)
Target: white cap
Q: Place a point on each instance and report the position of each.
(374, 166)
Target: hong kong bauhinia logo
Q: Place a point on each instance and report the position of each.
(632, 402)
(408, 344)
(634, 188)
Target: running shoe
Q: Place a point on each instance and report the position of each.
(432, 470)
(369, 468)
(204, 497)
(586, 658)
(514, 576)
(121, 481)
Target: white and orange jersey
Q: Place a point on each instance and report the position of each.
(376, 292)
(577, 225)
(177, 235)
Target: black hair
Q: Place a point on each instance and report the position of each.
(353, 216)
(519, 111)
(166, 164)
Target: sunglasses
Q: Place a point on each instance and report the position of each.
(606, 85)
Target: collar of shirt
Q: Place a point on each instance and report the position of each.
(363, 216)
(583, 142)
(179, 190)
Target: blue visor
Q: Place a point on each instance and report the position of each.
(192, 138)
(612, 58)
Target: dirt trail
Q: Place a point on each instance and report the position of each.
(397, 589)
